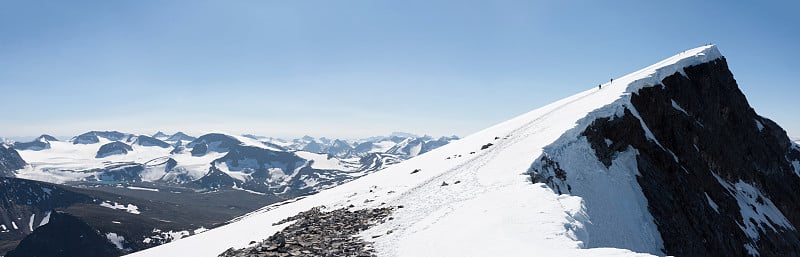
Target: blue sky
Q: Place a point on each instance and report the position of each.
(360, 67)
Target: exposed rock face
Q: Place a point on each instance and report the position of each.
(180, 136)
(199, 149)
(160, 135)
(215, 179)
(377, 161)
(268, 171)
(719, 179)
(40, 143)
(93, 137)
(65, 235)
(85, 139)
(21, 200)
(216, 142)
(319, 233)
(47, 137)
(9, 161)
(149, 141)
(313, 147)
(113, 148)
(28, 207)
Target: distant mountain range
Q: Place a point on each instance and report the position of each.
(214, 161)
(112, 172)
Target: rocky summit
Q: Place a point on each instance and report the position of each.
(319, 233)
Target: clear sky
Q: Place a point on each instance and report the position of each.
(360, 67)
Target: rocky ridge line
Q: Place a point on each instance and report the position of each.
(319, 233)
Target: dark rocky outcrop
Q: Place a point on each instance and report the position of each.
(93, 137)
(199, 149)
(22, 199)
(65, 236)
(40, 143)
(180, 136)
(319, 233)
(150, 141)
(10, 161)
(170, 164)
(121, 172)
(47, 137)
(216, 142)
(215, 179)
(708, 137)
(160, 135)
(113, 148)
(257, 162)
(86, 138)
(313, 147)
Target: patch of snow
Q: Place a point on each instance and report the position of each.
(30, 222)
(200, 230)
(247, 141)
(678, 107)
(168, 236)
(14, 224)
(150, 174)
(712, 203)
(249, 191)
(276, 174)
(233, 173)
(310, 182)
(322, 162)
(143, 188)
(796, 165)
(130, 208)
(117, 240)
(758, 212)
(759, 125)
(46, 219)
(116, 222)
(3, 227)
(751, 250)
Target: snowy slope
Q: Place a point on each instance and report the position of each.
(494, 210)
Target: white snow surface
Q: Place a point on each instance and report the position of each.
(143, 188)
(130, 208)
(117, 240)
(495, 210)
(46, 219)
(59, 163)
(322, 162)
(30, 222)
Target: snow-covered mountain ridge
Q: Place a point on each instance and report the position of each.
(607, 181)
(215, 160)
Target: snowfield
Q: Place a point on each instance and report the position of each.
(489, 207)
